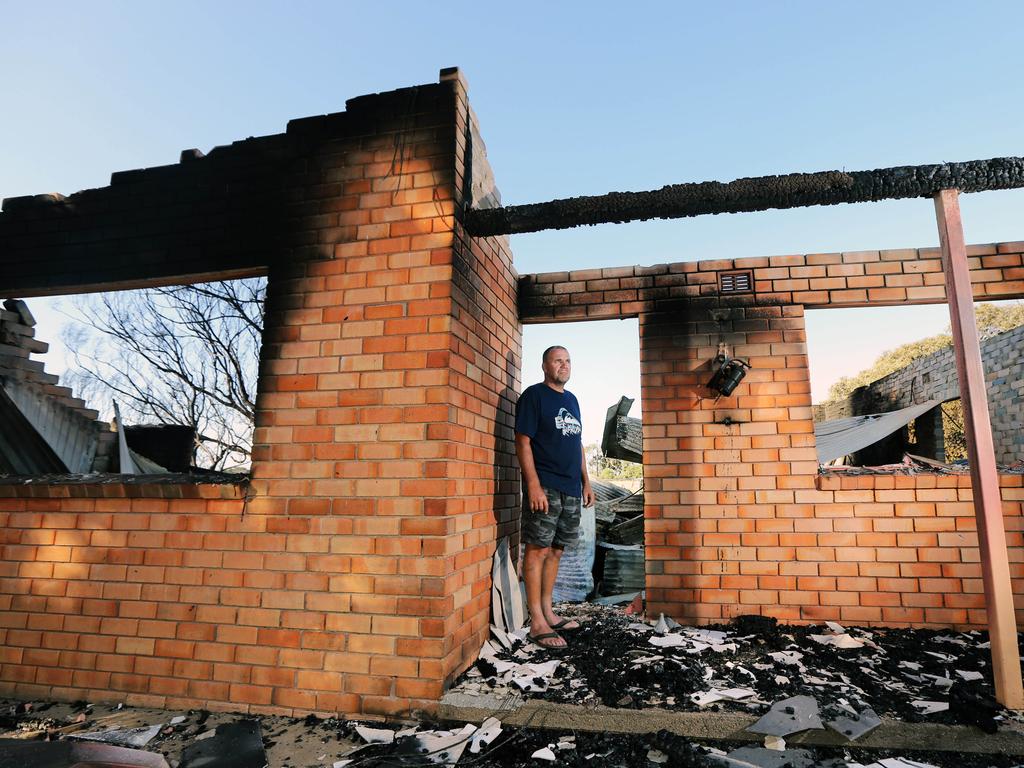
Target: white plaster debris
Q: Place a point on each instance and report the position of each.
(657, 756)
(544, 754)
(488, 731)
(375, 735)
(739, 687)
(930, 707)
(775, 742)
(839, 641)
(444, 747)
(790, 658)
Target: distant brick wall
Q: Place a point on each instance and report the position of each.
(934, 378)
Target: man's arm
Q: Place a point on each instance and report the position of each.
(534, 491)
(588, 492)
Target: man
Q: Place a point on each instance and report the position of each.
(549, 444)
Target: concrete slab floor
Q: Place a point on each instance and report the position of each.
(723, 726)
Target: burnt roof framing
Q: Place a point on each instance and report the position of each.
(760, 193)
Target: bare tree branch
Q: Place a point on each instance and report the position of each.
(176, 355)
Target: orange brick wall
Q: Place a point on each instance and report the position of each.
(815, 280)
(737, 518)
(354, 576)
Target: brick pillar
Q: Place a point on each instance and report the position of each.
(722, 478)
(391, 352)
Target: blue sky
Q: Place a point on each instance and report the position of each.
(573, 98)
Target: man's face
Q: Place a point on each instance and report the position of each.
(557, 366)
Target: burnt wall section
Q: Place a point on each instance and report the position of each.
(815, 280)
(484, 369)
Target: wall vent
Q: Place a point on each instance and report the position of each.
(736, 282)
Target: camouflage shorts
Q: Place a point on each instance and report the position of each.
(559, 526)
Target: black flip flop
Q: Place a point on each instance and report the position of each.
(547, 636)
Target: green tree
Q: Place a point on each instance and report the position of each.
(601, 467)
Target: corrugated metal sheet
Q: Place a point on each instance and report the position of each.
(22, 450)
(623, 436)
(68, 433)
(841, 437)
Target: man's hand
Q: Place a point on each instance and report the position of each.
(588, 494)
(538, 499)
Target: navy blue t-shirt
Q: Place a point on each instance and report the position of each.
(552, 422)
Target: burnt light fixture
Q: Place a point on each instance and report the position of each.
(729, 372)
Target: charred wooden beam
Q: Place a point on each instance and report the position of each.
(795, 190)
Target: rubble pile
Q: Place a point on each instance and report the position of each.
(853, 675)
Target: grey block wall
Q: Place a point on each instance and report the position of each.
(934, 377)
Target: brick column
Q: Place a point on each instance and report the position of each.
(725, 480)
(391, 354)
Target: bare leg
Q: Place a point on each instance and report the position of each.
(550, 576)
(535, 569)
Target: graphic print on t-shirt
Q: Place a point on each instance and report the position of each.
(566, 422)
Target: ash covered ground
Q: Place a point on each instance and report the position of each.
(913, 675)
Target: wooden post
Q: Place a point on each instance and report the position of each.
(995, 568)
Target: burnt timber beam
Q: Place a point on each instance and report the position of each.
(761, 193)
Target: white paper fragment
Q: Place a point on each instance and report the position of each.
(375, 735)
(205, 735)
(838, 629)
(970, 675)
(775, 742)
(343, 763)
(781, 680)
(930, 707)
(913, 666)
(661, 626)
(178, 719)
(657, 756)
(544, 754)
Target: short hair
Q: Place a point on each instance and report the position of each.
(549, 350)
